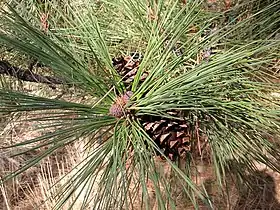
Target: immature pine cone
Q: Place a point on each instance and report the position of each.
(118, 108)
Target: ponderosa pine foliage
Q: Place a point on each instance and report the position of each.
(168, 79)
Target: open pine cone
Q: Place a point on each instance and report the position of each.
(127, 68)
(173, 136)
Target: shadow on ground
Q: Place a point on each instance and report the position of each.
(261, 194)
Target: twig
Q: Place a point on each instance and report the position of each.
(198, 138)
(26, 75)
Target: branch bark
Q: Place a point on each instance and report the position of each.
(26, 75)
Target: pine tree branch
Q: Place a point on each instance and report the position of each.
(26, 75)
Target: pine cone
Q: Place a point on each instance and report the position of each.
(172, 136)
(127, 67)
